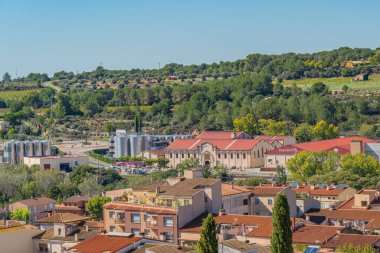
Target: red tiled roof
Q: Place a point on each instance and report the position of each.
(219, 135)
(226, 144)
(105, 243)
(341, 144)
(356, 240)
(332, 191)
(136, 207)
(314, 234)
(36, 201)
(228, 189)
(267, 189)
(372, 216)
(350, 203)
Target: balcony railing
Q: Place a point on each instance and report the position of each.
(119, 220)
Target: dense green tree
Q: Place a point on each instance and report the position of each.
(281, 240)
(21, 215)
(7, 77)
(255, 181)
(208, 242)
(323, 131)
(360, 164)
(303, 132)
(95, 205)
(247, 124)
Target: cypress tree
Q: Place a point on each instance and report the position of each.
(281, 241)
(137, 123)
(208, 242)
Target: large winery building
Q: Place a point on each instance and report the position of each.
(233, 149)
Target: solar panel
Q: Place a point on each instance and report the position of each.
(312, 249)
(322, 186)
(341, 187)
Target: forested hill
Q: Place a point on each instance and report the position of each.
(284, 66)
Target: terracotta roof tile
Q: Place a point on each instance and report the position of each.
(36, 201)
(341, 144)
(221, 144)
(332, 191)
(228, 189)
(63, 218)
(218, 135)
(267, 189)
(105, 243)
(352, 239)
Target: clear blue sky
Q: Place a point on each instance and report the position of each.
(76, 35)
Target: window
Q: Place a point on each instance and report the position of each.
(176, 155)
(270, 161)
(43, 247)
(245, 202)
(257, 202)
(254, 154)
(135, 231)
(112, 214)
(146, 217)
(169, 202)
(270, 201)
(112, 229)
(237, 156)
(171, 155)
(206, 199)
(168, 221)
(186, 202)
(59, 231)
(188, 155)
(147, 232)
(194, 155)
(225, 156)
(219, 156)
(183, 156)
(135, 217)
(232, 156)
(122, 228)
(243, 156)
(168, 236)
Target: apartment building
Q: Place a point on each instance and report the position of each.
(236, 150)
(18, 239)
(158, 210)
(39, 207)
(15, 151)
(236, 199)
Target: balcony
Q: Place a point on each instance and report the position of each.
(151, 222)
(120, 219)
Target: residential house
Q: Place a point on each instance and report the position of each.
(112, 243)
(236, 246)
(365, 199)
(262, 200)
(360, 77)
(74, 204)
(347, 145)
(355, 240)
(328, 196)
(360, 220)
(38, 207)
(236, 199)
(4, 125)
(236, 150)
(163, 248)
(61, 232)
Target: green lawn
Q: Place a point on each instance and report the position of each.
(337, 83)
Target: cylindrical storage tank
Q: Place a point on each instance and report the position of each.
(37, 147)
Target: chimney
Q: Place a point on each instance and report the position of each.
(298, 186)
(233, 135)
(312, 187)
(222, 212)
(76, 237)
(356, 146)
(338, 231)
(328, 187)
(157, 190)
(87, 228)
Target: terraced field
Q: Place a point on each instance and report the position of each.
(337, 83)
(10, 95)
